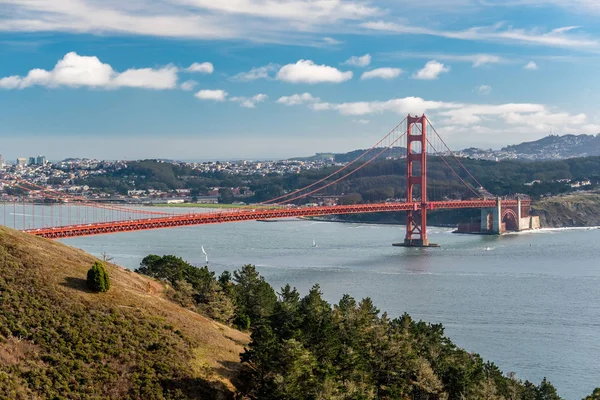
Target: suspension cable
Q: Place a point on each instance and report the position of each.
(349, 173)
(86, 200)
(339, 170)
(455, 157)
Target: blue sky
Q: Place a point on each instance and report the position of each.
(206, 79)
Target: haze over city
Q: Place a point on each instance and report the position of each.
(277, 79)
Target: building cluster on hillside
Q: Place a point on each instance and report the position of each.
(65, 177)
(260, 168)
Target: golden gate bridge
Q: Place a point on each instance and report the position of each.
(95, 218)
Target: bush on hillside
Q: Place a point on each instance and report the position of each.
(97, 278)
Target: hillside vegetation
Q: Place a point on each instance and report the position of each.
(60, 341)
(57, 340)
(569, 210)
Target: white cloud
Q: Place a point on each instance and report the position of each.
(250, 102)
(477, 60)
(331, 41)
(296, 99)
(262, 20)
(559, 37)
(576, 6)
(511, 120)
(362, 61)
(306, 71)
(362, 121)
(431, 71)
(485, 59)
(255, 73)
(531, 66)
(453, 113)
(201, 68)
(382, 73)
(483, 89)
(215, 95)
(413, 105)
(590, 129)
(188, 85)
(544, 119)
(74, 70)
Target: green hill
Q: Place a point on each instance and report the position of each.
(58, 340)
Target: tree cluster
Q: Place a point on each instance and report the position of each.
(241, 299)
(305, 348)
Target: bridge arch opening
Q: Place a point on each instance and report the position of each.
(510, 220)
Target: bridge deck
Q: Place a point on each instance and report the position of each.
(70, 231)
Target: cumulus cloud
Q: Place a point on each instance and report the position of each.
(382, 73)
(306, 71)
(201, 68)
(74, 70)
(263, 72)
(531, 66)
(215, 95)
(188, 85)
(483, 89)
(362, 61)
(534, 116)
(413, 105)
(362, 121)
(296, 99)
(250, 102)
(432, 70)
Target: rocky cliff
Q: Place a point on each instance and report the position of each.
(571, 210)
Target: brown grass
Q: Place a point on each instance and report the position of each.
(217, 347)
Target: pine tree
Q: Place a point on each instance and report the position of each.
(97, 278)
(594, 396)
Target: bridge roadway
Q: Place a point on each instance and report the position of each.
(98, 228)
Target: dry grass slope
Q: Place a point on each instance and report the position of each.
(57, 340)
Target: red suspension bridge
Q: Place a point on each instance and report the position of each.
(83, 217)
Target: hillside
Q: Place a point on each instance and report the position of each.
(393, 152)
(569, 210)
(57, 340)
(555, 146)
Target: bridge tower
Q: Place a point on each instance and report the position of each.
(416, 178)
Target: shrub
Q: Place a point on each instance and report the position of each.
(97, 278)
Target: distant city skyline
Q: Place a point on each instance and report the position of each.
(284, 78)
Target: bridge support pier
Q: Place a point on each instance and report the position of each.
(491, 219)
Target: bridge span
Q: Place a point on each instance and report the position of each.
(174, 221)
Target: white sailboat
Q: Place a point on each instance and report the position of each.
(205, 255)
(314, 243)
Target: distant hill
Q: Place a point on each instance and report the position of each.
(555, 146)
(57, 340)
(394, 152)
(551, 147)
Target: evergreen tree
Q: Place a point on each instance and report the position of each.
(255, 299)
(218, 305)
(594, 396)
(546, 391)
(97, 278)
